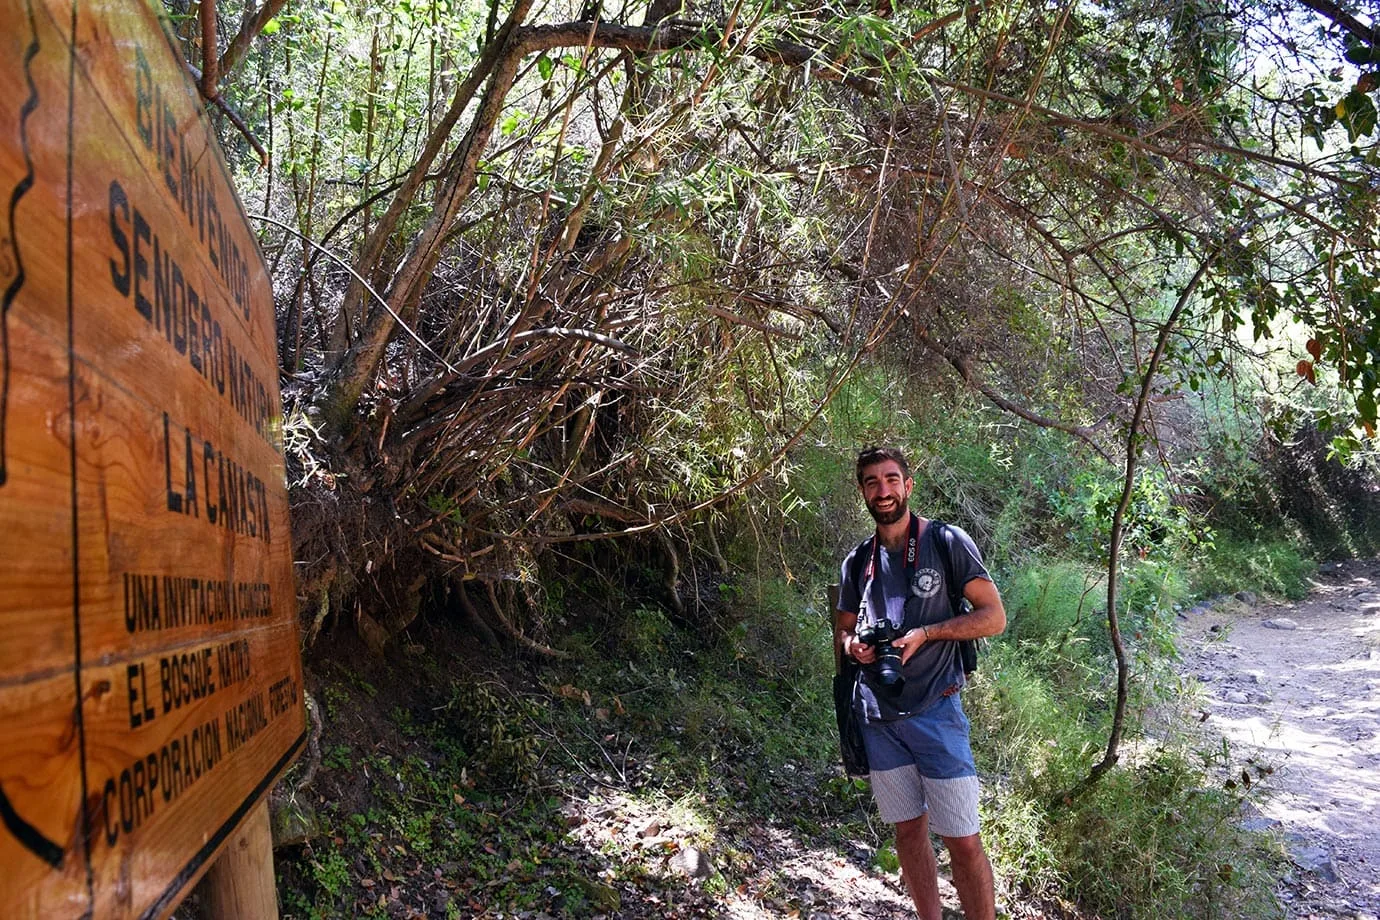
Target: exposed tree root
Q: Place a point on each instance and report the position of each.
(486, 635)
(672, 572)
(517, 634)
(714, 550)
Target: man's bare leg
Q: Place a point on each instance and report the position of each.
(918, 866)
(972, 877)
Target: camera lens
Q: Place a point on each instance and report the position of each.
(889, 669)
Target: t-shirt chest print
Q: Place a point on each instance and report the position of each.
(925, 583)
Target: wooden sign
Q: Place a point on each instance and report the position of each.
(150, 679)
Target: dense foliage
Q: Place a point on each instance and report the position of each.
(547, 276)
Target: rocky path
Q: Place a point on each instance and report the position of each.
(1298, 687)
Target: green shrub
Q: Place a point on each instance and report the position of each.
(498, 728)
(788, 629)
(1267, 566)
(1052, 601)
(1149, 840)
(643, 633)
(1021, 720)
(1151, 589)
(1016, 832)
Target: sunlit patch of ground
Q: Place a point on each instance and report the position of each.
(1307, 702)
(751, 871)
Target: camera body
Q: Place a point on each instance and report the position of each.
(880, 635)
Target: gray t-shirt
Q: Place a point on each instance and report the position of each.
(936, 667)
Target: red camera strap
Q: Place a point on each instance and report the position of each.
(912, 553)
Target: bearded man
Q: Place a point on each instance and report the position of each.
(915, 732)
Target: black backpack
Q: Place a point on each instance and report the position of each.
(967, 648)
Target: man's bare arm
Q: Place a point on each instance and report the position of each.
(987, 618)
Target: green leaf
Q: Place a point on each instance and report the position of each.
(357, 119)
(272, 26)
(1362, 54)
(1365, 405)
(509, 124)
(1361, 116)
(544, 67)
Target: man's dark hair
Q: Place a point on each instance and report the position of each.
(871, 456)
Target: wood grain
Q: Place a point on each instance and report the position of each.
(233, 886)
(149, 669)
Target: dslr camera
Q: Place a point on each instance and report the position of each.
(880, 635)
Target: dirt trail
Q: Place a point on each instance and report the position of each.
(1298, 686)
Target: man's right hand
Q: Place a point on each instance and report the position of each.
(860, 652)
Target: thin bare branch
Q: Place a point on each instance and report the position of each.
(964, 366)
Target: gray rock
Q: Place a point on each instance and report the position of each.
(294, 823)
(691, 862)
(1280, 623)
(1315, 859)
(1259, 824)
(1236, 696)
(1246, 597)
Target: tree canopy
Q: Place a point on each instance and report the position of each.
(558, 272)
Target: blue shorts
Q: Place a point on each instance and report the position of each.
(924, 765)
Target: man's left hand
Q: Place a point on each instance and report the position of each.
(910, 643)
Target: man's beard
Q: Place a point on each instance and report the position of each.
(890, 516)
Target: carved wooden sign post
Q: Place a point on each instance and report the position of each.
(150, 679)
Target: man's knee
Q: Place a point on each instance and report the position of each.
(916, 830)
(964, 849)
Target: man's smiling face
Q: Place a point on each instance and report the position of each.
(886, 491)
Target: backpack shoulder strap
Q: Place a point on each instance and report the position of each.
(941, 545)
(855, 567)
